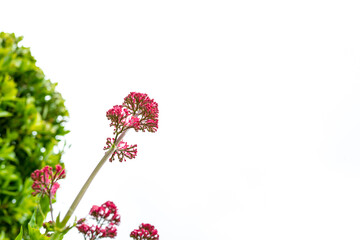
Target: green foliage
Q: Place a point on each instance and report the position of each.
(37, 220)
(32, 117)
(60, 229)
(54, 230)
(19, 237)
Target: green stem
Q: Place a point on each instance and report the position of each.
(88, 182)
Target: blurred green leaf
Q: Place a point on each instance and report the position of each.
(8, 87)
(5, 114)
(35, 234)
(3, 236)
(44, 208)
(19, 237)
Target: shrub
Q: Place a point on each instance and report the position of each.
(32, 117)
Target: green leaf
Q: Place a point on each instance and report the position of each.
(43, 211)
(40, 213)
(61, 229)
(35, 224)
(35, 234)
(58, 235)
(32, 222)
(58, 221)
(2, 236)
(59, 226)
(8, 88)
(5, 114)
(19, 237)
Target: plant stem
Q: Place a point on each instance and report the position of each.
(51, 208)
(88, 182)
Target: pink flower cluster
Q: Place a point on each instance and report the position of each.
(45, 180)
(145, 108)
(122, 151)
(138, 112)
(104, 214)
(121, 119)
(145, 232)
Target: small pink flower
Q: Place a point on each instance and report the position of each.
(83, 228)
(60, 172)
(54, 188)
(104, 214)
(45, 180)
(122, 151)
(121, 119)
(97, 211)
(80, 221)
(134, 122)
(110, 231)
(145, 232)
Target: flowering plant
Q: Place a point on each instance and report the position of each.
(138, 112)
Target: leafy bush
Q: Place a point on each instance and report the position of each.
(32, 117)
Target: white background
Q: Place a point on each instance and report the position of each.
(259, 126)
